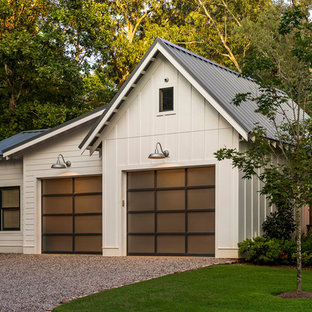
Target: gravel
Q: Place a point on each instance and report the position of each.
(34, 283)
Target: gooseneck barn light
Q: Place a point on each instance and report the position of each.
(60, 165)
(159, 154)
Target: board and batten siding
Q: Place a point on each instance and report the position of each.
(11, 174)
(191, 134)
(37, 166)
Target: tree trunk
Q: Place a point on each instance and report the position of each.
(299, 258)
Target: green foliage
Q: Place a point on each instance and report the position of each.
(279, 224)
(262, 250)
(265, 250)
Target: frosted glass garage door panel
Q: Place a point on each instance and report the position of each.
(171, 200)
(141, 223)
(57, 224)
(57, 186)
(171, 178)
(201, 244)
(141, 244)
(141, 201)
(201, 176)
(88, 185)
(88, 224)
(88, 204)
(88, 243)
(170, 222)
(201, 199)
(171, 244)
(57, 204)
(57, 243)
(140, 179)
(201, 221)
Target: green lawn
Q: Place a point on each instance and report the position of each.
(218, 288)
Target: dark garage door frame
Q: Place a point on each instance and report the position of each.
(73, 214)
(187, 233)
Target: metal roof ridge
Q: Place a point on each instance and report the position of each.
(204, 59)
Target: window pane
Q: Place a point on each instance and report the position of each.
(140, 201)
(201, 176)
(170, 222)
(171, 178)
(171, 200)
(141, 244)
(201, 199)
(140, 179)
(57, 243)
(201, 222)
(171, 244)
(88, 243)
(57, 186)
(88, 184)
(10, 198)
(141, 223)
(166, 99)
(88, 224)
(10, 219)
(57, 224)
(57, 204)
(201, 244)
(88, 203)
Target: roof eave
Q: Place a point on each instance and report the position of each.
(52, 132)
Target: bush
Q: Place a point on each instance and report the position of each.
(263, 250)
(279, 224)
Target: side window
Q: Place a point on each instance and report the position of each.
(166, 99)
(10, 208)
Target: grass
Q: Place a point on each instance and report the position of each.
(218, 288)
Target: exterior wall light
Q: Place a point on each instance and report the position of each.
(60, 165)
(159, 155)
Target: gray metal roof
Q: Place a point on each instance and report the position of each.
(19, 139)
(27, 136)
(220, 82)
(223, 84)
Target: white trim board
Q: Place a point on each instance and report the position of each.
(53, 133)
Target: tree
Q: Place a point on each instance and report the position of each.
(222, 20)
(44, 45)
(285, 161)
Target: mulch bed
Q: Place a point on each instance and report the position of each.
(295, 295)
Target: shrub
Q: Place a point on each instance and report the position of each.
(263, 250)
(279, 224)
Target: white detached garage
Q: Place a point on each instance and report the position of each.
(119, 201)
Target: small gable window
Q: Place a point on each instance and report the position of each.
(166, 99)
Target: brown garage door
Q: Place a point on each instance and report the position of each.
(171, 212)
(72, 215)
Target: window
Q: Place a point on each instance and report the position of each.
(10, 208)
(166, 99)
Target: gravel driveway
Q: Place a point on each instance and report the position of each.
(33, 283)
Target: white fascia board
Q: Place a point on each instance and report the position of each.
(120, 97)
(53, 133)
(205, 94)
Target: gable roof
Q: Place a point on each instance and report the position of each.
(218, 84)
(25, 139)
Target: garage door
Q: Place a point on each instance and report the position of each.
(72, 215)
(171, 212)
